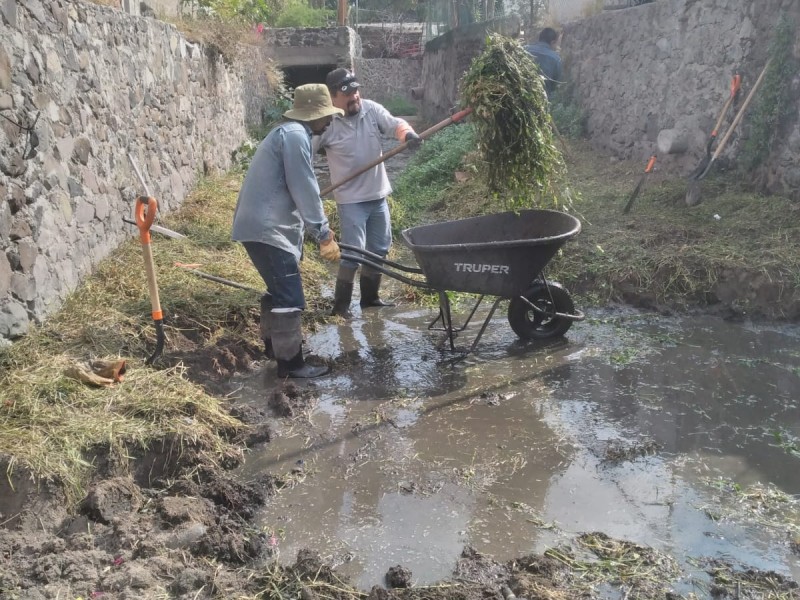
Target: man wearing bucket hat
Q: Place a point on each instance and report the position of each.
(351, 142)
(280, 199)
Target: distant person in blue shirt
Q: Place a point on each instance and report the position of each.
(546, 56)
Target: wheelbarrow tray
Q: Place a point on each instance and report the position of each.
(498, 254)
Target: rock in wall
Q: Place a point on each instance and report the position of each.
(384, 79)
(96, 84)
(667, 65)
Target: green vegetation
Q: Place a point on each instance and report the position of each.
(774, 101)
(512, 119)
(249, 11)
(400, 106)
(429, 174)
(567, 114)
(297, 13)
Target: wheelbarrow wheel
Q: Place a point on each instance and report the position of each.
(530, 324)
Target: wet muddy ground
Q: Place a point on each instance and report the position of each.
(678, 434)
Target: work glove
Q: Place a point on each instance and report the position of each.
(413, 140)
(329, 249)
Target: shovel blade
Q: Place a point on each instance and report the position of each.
(701, 169)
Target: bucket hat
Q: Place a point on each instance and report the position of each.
(312, 101)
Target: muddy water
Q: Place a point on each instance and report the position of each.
(633, 425)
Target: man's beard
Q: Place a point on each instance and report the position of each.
(353, 107)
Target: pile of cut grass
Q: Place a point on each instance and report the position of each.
(511, 114)
(50, 423)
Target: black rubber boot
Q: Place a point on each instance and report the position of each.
(370, 284)
(342, 296)
(297, 368)
(266, 325)
(287, 340)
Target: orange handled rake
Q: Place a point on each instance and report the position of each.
(146, 208)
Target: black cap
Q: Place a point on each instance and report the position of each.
(342, 80)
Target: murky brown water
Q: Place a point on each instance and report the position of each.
(630, 426)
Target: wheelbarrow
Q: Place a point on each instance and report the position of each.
(501, 255)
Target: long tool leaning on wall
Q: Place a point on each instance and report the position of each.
(146, 208)
(693, 193)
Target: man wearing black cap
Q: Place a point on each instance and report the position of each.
(351, 142)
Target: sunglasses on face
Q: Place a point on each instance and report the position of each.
(348, 86)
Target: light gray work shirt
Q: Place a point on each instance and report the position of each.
(280, 194)
(352, 142)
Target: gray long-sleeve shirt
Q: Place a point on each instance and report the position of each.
(351, 142)
(280, 193)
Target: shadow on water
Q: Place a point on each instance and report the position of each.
(647, 429)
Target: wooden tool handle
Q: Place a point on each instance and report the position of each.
(741, 112)
(152, 284)
(397, 150)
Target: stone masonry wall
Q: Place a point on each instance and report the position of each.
(448, 57)
(668, 65)
(102, 84)
(387, 78)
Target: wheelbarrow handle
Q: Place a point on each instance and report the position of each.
(381, 269)
(379, 259)
(397, 150)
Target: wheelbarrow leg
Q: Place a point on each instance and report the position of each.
(485, 324)
(447, 318)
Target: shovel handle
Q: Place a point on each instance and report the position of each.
(144, 219)
(650, 164)
(740, 114)
(397, 150)
(736, 83)
(146, 209)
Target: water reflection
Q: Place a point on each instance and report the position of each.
(430, 454)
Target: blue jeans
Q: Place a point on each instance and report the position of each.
(280, 272)
(366, 225)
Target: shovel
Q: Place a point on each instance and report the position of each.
(146, 208)
(736, 83)
(397, 150)
(694, 191)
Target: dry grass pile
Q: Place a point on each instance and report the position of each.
(50, 423)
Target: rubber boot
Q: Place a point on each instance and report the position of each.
(370, 284)
(266, 325)
(343, 293)
(287, 342)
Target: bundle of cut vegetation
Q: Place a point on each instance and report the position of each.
(514, 128)
(51, 424)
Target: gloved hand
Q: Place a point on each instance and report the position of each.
(329, 249)
(413, 140)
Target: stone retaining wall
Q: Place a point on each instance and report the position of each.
(387, 78)
(448, 57)
(103, 84)
(668, 65)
